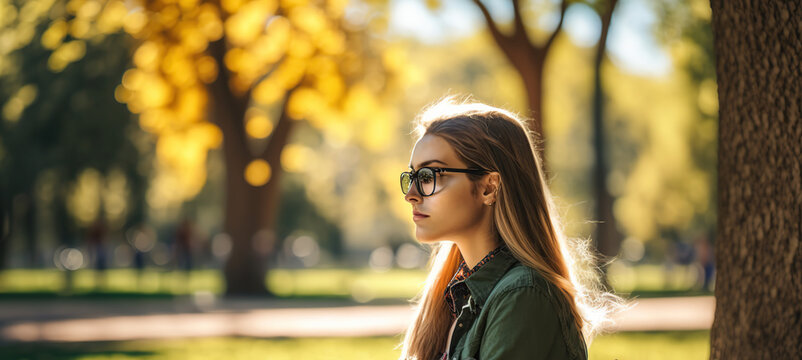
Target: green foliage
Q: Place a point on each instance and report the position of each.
(62, 120)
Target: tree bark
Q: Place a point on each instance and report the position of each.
(758, 46)
(606, 237)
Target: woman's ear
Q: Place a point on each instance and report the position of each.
(491, 184)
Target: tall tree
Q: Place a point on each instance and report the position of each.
(240, 72)
(606, 237)
(759, 281)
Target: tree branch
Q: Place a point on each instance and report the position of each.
(272, 152)
(550, 41)
(519, 29)
(500, 38)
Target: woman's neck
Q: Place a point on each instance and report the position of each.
(473, 251)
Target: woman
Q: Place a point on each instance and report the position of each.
(504, 282)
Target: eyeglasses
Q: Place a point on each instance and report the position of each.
(425, 178)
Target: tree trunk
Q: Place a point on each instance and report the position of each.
(251, 214)
(26, 203)
(251, 211)
(606, 237)
(758, 47)
(5, 227)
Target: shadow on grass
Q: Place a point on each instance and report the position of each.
(120, 295)
(67, 351)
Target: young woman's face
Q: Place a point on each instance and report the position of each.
(452, 211)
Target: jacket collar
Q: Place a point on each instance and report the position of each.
(482, 282)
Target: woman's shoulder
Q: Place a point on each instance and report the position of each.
(524, 295)
(520, 277)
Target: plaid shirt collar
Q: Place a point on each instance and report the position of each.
(457, 291)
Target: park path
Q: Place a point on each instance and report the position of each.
(116, 320)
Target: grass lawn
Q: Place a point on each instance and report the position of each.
(359, 284)
(684, 345)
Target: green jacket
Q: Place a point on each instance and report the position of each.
(513, 313)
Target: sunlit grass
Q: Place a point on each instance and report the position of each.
(688, 345)
(357, 284)
(653, 345)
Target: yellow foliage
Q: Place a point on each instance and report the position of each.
(132, 79)
(209, 22)
(9, 12)
(115, 197)
(375, 133)
(65, 54)
(83, 199)
(121, 94)
(300, 45)
(290, 72)
(177, 65)
(53, 36)
(331, 42)
(701, 9)
(237, 59)
(192, 40)
(191, 104)
(708, 97)
(244, 26)
(330, 85)
(296, 158)
(168, 16)
(268, 91)
(433, 4)
(88, 9)
(308, 18)
(147, 55)
(268, 52)
(154, 120)
(157, 92)
(257, 173)
(111, 19)
(359, 102)
(232, 6)
(336, 8)
(303, 102)
(259, 126)
(135, 22)
(206, 135)
(269, 47)
(12, 110)
(187, 4)
(79, 28)
(665, 188)
(207, 69)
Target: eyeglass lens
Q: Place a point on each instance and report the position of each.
(425, 178)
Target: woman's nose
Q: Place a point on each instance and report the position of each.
(412, 194)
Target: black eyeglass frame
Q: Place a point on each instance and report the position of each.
(413, 177)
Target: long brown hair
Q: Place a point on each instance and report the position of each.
(525, 219)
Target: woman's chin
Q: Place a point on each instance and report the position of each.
(425, 237)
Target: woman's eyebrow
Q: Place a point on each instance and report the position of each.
(427, 162)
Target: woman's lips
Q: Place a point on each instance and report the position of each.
(418, 216)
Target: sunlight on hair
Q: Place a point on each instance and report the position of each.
(450, 105)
